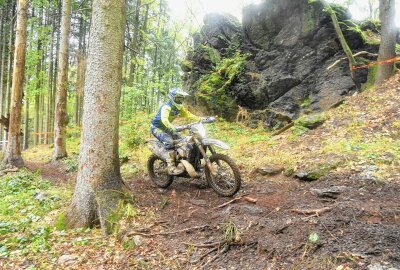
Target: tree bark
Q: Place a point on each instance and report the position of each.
(3, 71)
(7, 91)
(26, 125)
(99, 185)
(13, 152)
(387, 49)
(60, 122)
(50, 83)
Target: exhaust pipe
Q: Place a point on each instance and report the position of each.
(189, 168)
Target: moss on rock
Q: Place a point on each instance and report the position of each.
(310, 121)
(213, 88)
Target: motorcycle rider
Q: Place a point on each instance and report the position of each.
(165, 132)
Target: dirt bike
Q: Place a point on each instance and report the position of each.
(197, 154)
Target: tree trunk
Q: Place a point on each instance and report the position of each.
(7, 92)
(26, 125)
(387, 49)
(50, 84)
(60, 150)
(345, 46)
(80, 83)
(99, 184)
(13, 152)
(36, 125)
(55, 68)
(3, 71)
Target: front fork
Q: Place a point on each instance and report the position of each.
(206, 158)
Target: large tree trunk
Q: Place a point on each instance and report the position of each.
(60, 122)
(99, 184)
(387, 49)
(13, 152)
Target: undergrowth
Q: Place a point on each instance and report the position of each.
(25, 200)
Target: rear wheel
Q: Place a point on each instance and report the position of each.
(158, 172)
(227, 180)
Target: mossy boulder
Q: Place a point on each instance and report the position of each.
(371, 25)
(316, 172)
(311, 121)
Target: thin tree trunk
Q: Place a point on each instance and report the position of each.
(3, 71)
(36, 123)
(387, 49)
(50, 85)
(13, 153)
(26, 125)
(7, 94)
(343, 42)
(60, 132)
(55, 68)
(99, 185)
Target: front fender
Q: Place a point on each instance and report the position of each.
(217, 143)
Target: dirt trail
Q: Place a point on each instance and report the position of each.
(361, 227)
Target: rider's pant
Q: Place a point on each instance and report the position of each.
(163, 137)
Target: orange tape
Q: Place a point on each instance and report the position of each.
(392, 60)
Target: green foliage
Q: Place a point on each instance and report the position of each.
(306, 103)
(313, 238)
(134, 132)
(61, 222)
(211, 54)
(353, 27)
(24, 199)
(71, 163)
(232, 233)
(213, 88)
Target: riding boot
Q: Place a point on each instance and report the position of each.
(172, 169)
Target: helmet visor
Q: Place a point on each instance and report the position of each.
(179, 99)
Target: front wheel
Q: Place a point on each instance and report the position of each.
(227, 180)
(158, 172)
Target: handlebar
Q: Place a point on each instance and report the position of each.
(205, 120)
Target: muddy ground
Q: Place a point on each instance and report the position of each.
(361, 226)
(358, 226)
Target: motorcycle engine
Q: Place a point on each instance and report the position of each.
(183, 151)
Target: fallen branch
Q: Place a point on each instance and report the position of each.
(169, 233)
(220, 243)
(222, 251)
(355, 55)
(316, 212)
(204, 255)
(250, 199)
(280, 131)
(334, 237)
(231, 201)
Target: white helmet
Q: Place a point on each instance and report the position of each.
(177, 95)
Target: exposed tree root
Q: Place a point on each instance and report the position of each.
(244, 196)
(169, 233)
(316, 212)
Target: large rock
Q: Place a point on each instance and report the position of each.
(291, 44)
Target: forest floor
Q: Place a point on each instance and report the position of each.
(348, 218)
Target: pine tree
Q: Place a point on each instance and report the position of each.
(99, 183)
